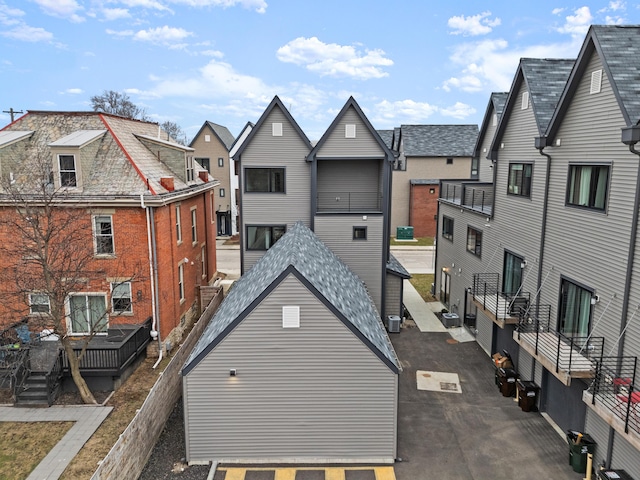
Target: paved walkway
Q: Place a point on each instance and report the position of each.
(87, 419)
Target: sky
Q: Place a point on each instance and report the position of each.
(191, 61)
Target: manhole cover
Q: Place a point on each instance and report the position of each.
(447, 386)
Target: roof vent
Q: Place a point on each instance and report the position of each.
(291, 316)
(276, 129)
(167, 183)
(525, 100)
(596, 82)
(350, 131)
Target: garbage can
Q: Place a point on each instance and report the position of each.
(611, 474)
(579, 446)
(507, 381)
(527, 395)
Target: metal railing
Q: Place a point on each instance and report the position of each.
(474, 195)
(349, 202)
(487, 292)
(614, 387)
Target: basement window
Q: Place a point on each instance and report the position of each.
(291, 316)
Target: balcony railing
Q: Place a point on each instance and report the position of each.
(330, 202)
(503, 307)
(613, 392)
(474, 195)
(563, 355)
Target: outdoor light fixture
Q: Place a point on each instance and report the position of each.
(233, 372)
(523, 264)
(595, 299)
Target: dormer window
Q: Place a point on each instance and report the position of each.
(67, 168)
(190, 170)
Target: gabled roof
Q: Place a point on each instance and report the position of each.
(351, 103)
(220, 131)
(79, 138)
(619, 49)
(387, 137)
(438, 140)
(545, 79)
(275, 103)
(244, 133)
(496, 105)
(395, 267)
(301, 253)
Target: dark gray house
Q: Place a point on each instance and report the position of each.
(295, 366)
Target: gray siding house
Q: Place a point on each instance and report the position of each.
(295, 366)
(551, 271)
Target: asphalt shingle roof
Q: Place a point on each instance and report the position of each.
(387, 137)
(394, 266)
(301, 249)
(223, 133)
(545, 79)
(620, 47)
(439, 140)
(499, 100)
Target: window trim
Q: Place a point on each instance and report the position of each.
(190, 174)
(181, 289)
(76, 173)
(127, 311)
(220, 161)
(522, 184)
(178, 224)
(194, 225)
(560, 321)
(32, 304)
(271, 227)
(284, 182)
(448, 236)
(359, 228)
(221, 192)
(477, 250)
(94, 218)
(70, 319)
(572, 166)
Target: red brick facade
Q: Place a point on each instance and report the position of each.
(423, 208)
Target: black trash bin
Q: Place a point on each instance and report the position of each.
(527, 395)
(611, 474)
(580, 445)
(507, 381)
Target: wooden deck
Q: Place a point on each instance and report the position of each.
(570, 364)
(602, 407)
(496, 308)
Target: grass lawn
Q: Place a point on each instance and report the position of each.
(24, 445)
(422, 283)
(416, 242)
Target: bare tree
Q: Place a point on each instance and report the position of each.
(175, 132)
(119, 104)
(48, 257)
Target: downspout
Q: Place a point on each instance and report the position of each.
(206, 240)
(155, 279)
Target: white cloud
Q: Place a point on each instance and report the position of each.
(73, 91)
(9, 16)
(26, 33)
(149, 4)
(259, 6)
(62, 9)
(115, 13)
(402, 111)
(615, 5)
(614, 20)
(473, 25)
(120, 33)
(557, 11)
(467, 83)
(212, 53)
(331, 59)
(162, 35)
(577, 24)
(459, 110)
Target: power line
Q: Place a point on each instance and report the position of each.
(12, 112)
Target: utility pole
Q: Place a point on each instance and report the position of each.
(12, 112)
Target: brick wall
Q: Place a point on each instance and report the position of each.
(423, 209)
(129, 455)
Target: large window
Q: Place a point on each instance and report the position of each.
(204, 163)
(263, 237)
(447, 228)
(121, 297)
(103, 229)
(67, 164)
(270, 180)
(588, 186)
(474, 241)
(181, 282)
(512, 277)
(575, 309)
(39, 303)
(520, 179)
(88, 314)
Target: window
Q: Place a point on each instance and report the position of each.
(181, 281)
(519, 179)
(88, 313)
(121, 297)
(512, 276)
(204, 163)
(178, 226)
(194, 225)
(39, 303)
(449, 161)
(575, 309)
(189, 169)
(203, 261)
(474, 241)
(291, 316)
(588, 186)
(222, 192)
(350, 131)
(263, 237)
(445, 288)
(447, 228)
(359, 233)
(207, 138)
(220, 162)
(270, 180)
(474, 167)
(68, 175)
(104, 234)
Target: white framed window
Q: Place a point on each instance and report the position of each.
(189, 169)
(222, 192)
(181, 282)
(596, 82)
(67, 171)
(220, 162)
(87, 313)
(103, 233)
(203, 260)
(350, 130)
(525, 100)
(121, 300)
(39, 303)
(178, 224)
(194, 225)
(291, 316)
(276, 129)
(207, 138)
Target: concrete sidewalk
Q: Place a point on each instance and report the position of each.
(86, 418)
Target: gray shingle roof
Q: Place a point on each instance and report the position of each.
(620, 47)
(301, 250)
(545, 79)
(499, 100)
(394, 266)
(387, 137)
(439, 140)
(223, 133)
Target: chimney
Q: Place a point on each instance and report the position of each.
(204, 176)
(167, 183)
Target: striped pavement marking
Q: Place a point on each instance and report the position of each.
(289, 473)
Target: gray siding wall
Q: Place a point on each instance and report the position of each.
(525, 364)
(293, 398)
(599, 431)
(486, 172)
(357, 183)
(364, 257)
(484, 337)
(287, 151)
(393, 304)
(364, 145)
(625, 456)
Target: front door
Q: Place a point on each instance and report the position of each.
(512, 276)
(445, 288)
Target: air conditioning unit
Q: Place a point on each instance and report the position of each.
(393, 324)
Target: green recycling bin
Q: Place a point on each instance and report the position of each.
(580, 445)
(404, 233)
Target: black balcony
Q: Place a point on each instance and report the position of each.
(472, 195)
(503, 308)
(349, 202)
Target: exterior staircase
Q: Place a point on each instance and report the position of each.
(35, 392)
(40, 385)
